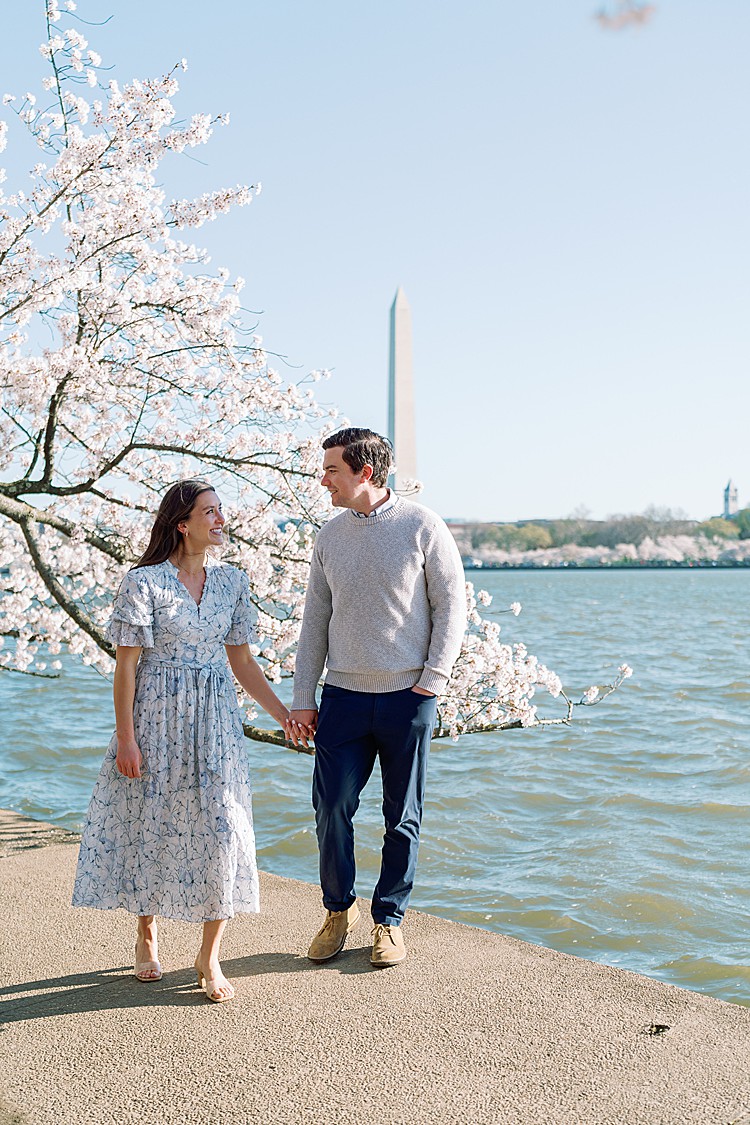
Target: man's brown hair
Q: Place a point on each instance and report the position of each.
(364, 447)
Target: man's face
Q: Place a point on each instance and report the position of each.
(345, 487)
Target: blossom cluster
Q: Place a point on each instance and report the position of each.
(493, 683)
(625, 13)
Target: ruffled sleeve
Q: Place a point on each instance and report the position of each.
(132, 618)
(242, 628)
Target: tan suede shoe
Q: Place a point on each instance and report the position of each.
(330, 938)
(387, 946)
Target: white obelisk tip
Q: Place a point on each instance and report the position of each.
(401, 428)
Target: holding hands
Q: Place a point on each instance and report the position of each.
(300, 727)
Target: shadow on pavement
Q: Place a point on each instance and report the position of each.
(110, 989)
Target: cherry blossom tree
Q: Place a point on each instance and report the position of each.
(125, 364)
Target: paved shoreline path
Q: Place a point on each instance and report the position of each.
(473, 1028)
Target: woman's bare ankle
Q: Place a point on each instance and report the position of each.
(147, 936)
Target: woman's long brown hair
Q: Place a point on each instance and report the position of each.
(176, 506)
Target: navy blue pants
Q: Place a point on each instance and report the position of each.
(355, 728)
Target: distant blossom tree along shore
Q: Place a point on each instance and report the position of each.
(127, 363)
(658, 537)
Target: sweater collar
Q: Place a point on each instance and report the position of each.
(379, 513)
(381, 509)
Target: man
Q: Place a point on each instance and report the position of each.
(385, 611)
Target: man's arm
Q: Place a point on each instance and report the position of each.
(312, 648)
(446, 592)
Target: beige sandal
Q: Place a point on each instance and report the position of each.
(212, 986)
(153, 968)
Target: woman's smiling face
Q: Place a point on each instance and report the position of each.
(205, 524)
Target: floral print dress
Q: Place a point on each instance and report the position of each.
(178, 841)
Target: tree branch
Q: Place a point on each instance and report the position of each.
(512, 724)
(278, 738)
(274, 738)
(58, 592)
(21, 513)
(30, 672)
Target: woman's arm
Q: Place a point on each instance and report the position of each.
(129, 758)
(250, 675)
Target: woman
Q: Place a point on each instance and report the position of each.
(169, 827)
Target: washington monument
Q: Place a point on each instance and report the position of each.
(401, 431)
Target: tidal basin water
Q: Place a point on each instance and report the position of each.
(622, 838)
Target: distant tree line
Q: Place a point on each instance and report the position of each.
(583, 532)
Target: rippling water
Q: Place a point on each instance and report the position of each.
(621, 838)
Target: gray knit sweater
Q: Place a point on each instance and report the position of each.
(385, 606)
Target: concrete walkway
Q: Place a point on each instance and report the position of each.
(474, 1027)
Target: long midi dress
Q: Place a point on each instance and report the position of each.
(178, 841)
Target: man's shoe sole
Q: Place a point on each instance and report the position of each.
(328, 956)
(387, 964)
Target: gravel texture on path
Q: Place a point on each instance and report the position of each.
(472, 1028)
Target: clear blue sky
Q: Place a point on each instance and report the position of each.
(566, 208)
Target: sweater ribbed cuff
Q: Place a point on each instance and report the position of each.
(432, 681)
(304, 700)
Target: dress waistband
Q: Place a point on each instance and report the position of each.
(193, 665)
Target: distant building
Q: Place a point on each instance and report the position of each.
(731, 502)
